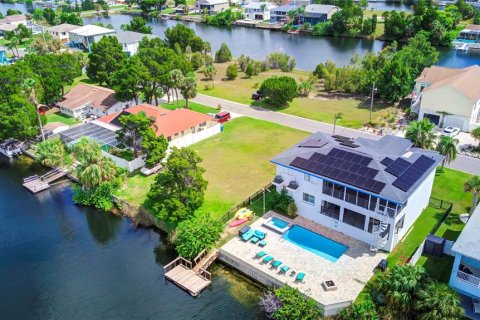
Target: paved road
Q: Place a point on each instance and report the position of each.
(462, 163)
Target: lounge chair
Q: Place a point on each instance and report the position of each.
(247, 235)
(276, 264)
(300, 277)
(259, 234)
(267, 259)
(262, 243)
(260, 254)
(254, 240)
(284, 269)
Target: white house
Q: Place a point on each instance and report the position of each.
(130, 41)
(258, 10)
(211, 6)
(370, 190)
(85, 36)
(62, 31)
(449, 97)
(10, 23)
(87, 100)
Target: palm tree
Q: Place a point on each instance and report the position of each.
(210, 71)
(473, 185)
(336, 117)
(176, 78)
(51, 153)
(31, 93)
(476, 135)
(437, 301)
(189, 89)
(98, 7)
(421, 133)
(448, 148)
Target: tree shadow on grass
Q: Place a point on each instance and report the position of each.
(439, 268)
(450, 234)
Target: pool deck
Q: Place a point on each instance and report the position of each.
(350, 272)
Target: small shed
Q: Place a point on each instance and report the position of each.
(434, 246)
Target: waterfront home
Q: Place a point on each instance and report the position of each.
(469, 38)
(370, 190)
(280, 14)
(184, 9)
(84, 37)
(315, 13)
(10, 23)
(465, 277)
(62, 31)
(258, 10)
(211, 7)
(181, 127)
(301, 3)
(448, 97)
(85, 100)
(131, 40)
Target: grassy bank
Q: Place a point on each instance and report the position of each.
(319, 106)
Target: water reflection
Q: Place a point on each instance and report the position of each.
(103, 226)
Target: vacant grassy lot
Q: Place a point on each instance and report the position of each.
(59, 117)
(318, 106)
(191, 105)
(236, 162)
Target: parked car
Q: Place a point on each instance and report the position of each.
(257, 96)
(223, 116)
(450, 131)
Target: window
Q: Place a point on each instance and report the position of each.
(372, 222)
(354, 219)
(351, 196)
(373, 203)
(169, 139)
(330, 210)
(338, 191)
(327, 188)
(363, 200)
(308, 198)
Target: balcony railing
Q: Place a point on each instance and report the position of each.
(339, 194)
(474, 281)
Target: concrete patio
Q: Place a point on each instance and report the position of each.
(349, 273)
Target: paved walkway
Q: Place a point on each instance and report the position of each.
(462, 163)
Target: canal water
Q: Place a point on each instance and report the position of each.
(61, 261)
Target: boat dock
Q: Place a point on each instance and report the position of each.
(36, 184)
(191, 277)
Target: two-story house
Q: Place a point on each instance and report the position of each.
(62, 31)
(258, 10)
(370, 190)
(448, 97)
(465, 277)
(280, 13)
(130, 41)
(315, 13)
(211, 7)
(84, 37)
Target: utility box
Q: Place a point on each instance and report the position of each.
(434, 246)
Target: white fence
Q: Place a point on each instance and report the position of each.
(128, 165)
(417, 254)
(192, 138)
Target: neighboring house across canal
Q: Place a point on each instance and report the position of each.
(211, 7)
(258, 10)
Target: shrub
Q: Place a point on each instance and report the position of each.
(224, 18)
(232, 72)
(195, 234)
(250, 70)
(320, 71)
(281, 202)
(197, 60)
(279, 90)
(295, 305)
(223, 54)
(282, 61)
(360, 311)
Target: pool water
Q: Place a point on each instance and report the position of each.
(316, 243)
(279, 223)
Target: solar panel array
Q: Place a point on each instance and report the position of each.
(342, 166)
(313, 143)
(398, 167)
(411, 175)
(386, 161)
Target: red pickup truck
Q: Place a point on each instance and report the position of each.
(222, 117)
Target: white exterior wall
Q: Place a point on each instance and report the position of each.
(122, 163)
(130, 48)
(415, 205)
(84, 110)
(64, 37)
(192, 138)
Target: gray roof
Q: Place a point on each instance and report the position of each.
(285, 8)
(319, 8)
(64, 27)
(100, 132)
(388, 146)
(468, 243)
(131, 37)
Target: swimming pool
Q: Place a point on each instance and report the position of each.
(279, 223)
(316, 243)
(276, 224)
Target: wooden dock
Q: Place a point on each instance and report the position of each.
(36, 184)
(191, 277)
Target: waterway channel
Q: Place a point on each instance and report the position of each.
(61, 261)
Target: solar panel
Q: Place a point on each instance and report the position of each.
(398, 167)
(413, 173)
(386, 161)
(378, 186)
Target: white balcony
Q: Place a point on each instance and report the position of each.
(468, 278)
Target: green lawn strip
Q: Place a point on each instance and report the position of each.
(191, 105)
(449, 186)
(59, 117)
(438, 268)
(236, 162)
(319, 106)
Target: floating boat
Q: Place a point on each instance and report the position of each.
(10, 148)
(296, 31)
(236, 223)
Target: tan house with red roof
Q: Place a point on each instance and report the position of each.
(449, 97)
(87, 100)
(181, 127)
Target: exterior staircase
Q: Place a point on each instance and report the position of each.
(378, 241)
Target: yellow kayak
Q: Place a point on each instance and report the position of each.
(244, 213)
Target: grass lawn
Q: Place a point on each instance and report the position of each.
(236, 162)
(319, 106)
(448, 186)
(438, 268)
(59, 117)
(82, 79)
(191, 105)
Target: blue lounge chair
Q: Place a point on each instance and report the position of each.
(260, 254)
(276, 264)
(254, 240)
(300, 277)
(259, 234)
(267, 259)
(262, 243)
(284, 269)
(247, 235)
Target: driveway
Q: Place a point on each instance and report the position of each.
(462, 163)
